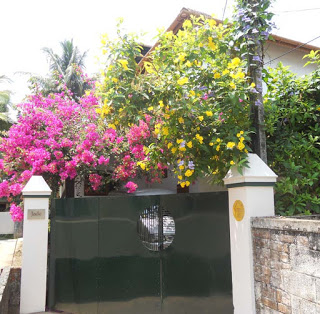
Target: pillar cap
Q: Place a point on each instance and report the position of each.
(258, 174)
(36, 186)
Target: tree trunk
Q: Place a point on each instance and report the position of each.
(257, 108)
(255, 58)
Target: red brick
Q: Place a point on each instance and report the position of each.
(268, 293)
(303, 241)
(287, 238)
(279, 246)
(261, 233)
(268, 303)
(285, 298)
(279, 296)
(284, 309)
(260, 242)
(265, 274)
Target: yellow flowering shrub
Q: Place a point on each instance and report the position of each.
(192, 89)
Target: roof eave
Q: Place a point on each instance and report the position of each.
(186, 13)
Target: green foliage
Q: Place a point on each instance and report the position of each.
(252, 26)
(252, 22)
(121, 86)
(292, 108)
(5, 121)
(192, 89)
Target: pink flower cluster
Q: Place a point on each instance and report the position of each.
(131, 186)
(138, 133)
(136, 136)
(47, 131)
(95, 181)
(58, 137)
(125, 170)
(16, 212)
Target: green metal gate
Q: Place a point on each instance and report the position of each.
(105, 258)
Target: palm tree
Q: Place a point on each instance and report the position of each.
(67, 67)
(5, 121)
(70, 55)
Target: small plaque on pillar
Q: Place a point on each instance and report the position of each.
(34, 214)
(238, 210)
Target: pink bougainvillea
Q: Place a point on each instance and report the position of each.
(55, 137)
(95, 181)
(16, 212)
(138, 132)
(46, 138)
(59, 138)
(131, 186)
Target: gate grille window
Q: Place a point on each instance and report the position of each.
(156, 228)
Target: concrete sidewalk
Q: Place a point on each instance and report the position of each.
(7, 248)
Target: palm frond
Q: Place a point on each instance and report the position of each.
(54, 60)
(4, 117)
(4, 98)
(81, 60)
(5, 79)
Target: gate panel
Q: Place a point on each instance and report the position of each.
(129, 273)
(99, 263)
(74, 252)
(197, 266)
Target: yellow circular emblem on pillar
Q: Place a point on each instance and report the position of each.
(238, 210)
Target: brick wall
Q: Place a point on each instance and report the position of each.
(286, 255)
(10, 290)
(4, 290)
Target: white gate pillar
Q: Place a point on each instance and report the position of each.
(35, 246)
(250, 195)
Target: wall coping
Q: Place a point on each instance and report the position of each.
(256, 172)
(300, 224)
(37, 186)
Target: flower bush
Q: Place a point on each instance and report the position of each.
(184, 106)
(55, 137)
(292, 126)
(60, 138)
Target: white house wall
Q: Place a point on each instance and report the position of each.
(294, 59)
(6, 223)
